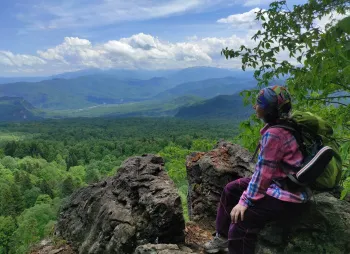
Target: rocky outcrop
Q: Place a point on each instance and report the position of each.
(323, 228)
(139, 205)
(139, 211)
(208, 173)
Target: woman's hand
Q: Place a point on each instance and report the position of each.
(238, 211)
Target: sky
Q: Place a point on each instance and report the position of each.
(45, 37)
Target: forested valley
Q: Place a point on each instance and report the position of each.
(43, 162)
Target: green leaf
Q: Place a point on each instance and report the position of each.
(344, 24)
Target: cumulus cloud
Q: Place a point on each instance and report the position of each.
(137, 51)
(331, 18)
(71, 46)
(242, 20)
(247, 20)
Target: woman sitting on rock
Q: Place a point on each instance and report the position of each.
(247, 204)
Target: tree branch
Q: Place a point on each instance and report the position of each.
(330, 97)
(343, 86)
(328, 101)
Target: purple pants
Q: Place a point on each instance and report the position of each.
(242, 236)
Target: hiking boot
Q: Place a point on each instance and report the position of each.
(216, 245)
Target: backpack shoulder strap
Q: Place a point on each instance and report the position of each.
(255, 152)
(290, 127)
(284, 126)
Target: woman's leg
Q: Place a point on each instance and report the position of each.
(229, 198)
(242, 236)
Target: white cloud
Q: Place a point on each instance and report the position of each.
(242, 20)
(10, 59)
(330, 18)
(70, 47)
(138, 51)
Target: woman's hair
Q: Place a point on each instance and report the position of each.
(273, 115)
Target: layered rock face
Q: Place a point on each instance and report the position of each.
(207, 175)
(139, 205)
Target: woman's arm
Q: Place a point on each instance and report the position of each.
(270, 155)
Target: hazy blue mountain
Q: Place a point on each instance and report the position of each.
(209, 88)
(91, 90)
(76, 74)
(176, 75)
(222, 106)
(5, 80)
(139, 74)
(85, 91)
(203, 73)
(17, 109)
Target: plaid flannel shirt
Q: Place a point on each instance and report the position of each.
(277, 144)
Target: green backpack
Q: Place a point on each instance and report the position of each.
(311, 128)
(321, 168)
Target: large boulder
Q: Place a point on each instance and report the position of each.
(208, 173)
(323, 228)
(139, 205)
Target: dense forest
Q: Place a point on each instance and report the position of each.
(42, 162)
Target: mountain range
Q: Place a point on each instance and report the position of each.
(179, 75)
(121, 93)
(221, 106)
(117, 87)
